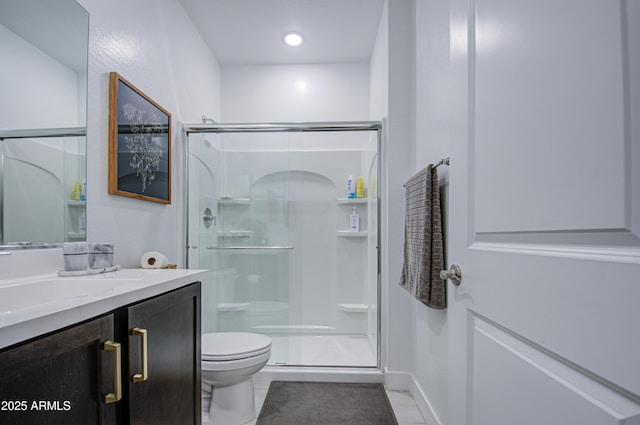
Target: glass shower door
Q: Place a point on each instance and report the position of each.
(269, 215)
(243, 237)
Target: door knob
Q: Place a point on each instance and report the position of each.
(454, 273)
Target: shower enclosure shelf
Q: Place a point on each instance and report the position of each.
(75, 209)
(234, 201)
(353, 308)
(345, 204)
(235, 234)
(351, 234)
(352, 200)
(233, 306)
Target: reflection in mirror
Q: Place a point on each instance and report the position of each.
(43, 81)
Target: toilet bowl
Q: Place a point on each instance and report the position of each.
(229, 360)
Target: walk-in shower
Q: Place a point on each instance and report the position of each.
(268, 214)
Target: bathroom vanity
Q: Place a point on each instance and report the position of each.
(118, 348)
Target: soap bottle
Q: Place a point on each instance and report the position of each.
(359, 188)
(76, 191)
(82, 223)
(351, 190)
(354, 221)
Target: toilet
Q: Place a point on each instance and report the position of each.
(229, 361)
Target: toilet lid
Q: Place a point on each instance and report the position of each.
(221, 346)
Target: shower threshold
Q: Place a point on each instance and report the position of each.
(324, 350)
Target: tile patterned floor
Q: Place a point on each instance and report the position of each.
(404, 407)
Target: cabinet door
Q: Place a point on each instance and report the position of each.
(61, 378)
(170, 394)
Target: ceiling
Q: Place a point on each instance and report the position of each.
(250, 32)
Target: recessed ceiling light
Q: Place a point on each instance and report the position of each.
(301, 86)
(293, 39)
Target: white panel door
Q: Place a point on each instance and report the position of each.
(545, 212)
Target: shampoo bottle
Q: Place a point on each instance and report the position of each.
(76, 191)
(351, 189)
(354, 221)
(83, 190)
(359, 188)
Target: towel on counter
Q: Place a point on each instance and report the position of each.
(423, 246)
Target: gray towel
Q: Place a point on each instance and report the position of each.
(423, 246)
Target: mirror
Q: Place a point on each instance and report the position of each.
(43, 91)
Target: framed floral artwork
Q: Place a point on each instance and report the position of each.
(139, 144)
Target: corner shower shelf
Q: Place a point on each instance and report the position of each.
(74, 203)
(234, 201)
(353, 308)
(350, 234)
(352, 200)
(233, 306)
(235, 234)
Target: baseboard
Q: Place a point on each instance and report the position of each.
(397, 381)
(426, 410)
(404, 381)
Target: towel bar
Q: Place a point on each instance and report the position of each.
(443, 161)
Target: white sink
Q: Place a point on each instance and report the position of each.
(28, 295)
(38, 304)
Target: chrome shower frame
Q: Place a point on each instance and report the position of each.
(284, 127)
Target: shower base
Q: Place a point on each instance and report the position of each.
(322, 350)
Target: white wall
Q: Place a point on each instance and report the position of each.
(379, 70)
(310, 92)
(397, 151)
(415, 60)
(153, 45)
(429, 333)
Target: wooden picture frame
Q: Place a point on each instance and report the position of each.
(139, 144)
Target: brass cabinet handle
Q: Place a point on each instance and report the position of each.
(117, 376)
(141, 377)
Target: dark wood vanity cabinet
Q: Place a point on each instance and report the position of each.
(65, 377)
(169, 392)
(60, 378)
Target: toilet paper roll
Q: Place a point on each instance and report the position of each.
(153, 260)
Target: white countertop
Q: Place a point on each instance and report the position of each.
(33, 307)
